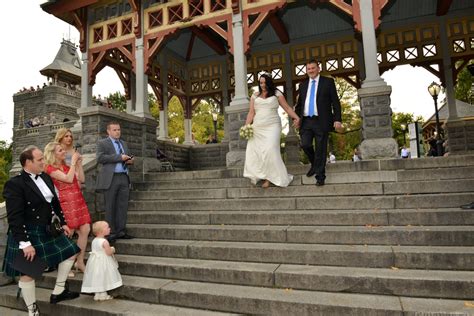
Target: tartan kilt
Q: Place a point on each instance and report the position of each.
(52, 250)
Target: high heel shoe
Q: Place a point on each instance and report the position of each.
(266, 184)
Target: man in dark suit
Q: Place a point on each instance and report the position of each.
(318, 105)
(113, 180)
(31, 202)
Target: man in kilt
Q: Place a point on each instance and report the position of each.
(31, 202)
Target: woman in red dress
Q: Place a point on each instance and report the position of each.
(67, 180)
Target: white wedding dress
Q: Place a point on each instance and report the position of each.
(262, 157)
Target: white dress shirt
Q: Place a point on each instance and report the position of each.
(308, 92)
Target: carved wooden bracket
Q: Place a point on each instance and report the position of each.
(80, 23)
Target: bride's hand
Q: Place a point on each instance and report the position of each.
(296, 122)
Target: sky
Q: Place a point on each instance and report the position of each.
(31, 39)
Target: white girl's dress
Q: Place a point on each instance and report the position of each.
(262, 156)
(101, 273)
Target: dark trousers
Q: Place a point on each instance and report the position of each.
(310, 131)
(116, 204)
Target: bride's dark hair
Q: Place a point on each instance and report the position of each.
(271, 89)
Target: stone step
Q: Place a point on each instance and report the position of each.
(386, 281)
(435, 174)
(427, 217)
(253, 300)
(339, 167)
(373, 235)
(347, 189)
(308, 203)
(270, 301)
(85, 305)
(370, 256)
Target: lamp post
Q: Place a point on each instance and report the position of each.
(214, 120)
(403, 126)
(434, 89)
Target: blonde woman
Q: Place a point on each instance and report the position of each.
(66, 179)
(65, 138)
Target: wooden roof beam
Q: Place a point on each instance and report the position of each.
(65, 6)
(443, 6)
(190, 46)
(213, 43)
(279, 28)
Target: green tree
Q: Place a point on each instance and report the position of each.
(175, 119)
(399, 119)
(118, 101)
(463, 86)
(5, 163)
(343, 144)
(203, 124)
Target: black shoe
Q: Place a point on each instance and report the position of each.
(34, 309)
(127, 236)
(319, 183)
(49, 269)
(310, 172)
(64, 296)
(469, 206)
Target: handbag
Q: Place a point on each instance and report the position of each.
(54, 228)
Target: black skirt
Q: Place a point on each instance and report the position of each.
(52, 250)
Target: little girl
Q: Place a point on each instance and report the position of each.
(101, 274)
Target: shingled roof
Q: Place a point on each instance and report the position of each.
(66, 65)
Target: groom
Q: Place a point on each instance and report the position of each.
(318, 105)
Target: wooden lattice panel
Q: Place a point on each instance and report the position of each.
(408, 45)
(111, 31)
(461, 37)
(171, 14)
(205, 79)
(337, 57)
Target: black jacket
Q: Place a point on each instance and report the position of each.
(327, 101)
(26, 204)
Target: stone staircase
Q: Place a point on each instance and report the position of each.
(383, 237)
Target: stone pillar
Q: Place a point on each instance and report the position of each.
(448, 72)
(225, 98)
(459, 133)
(163, 133)
(377, 123)
(369, 42)
(188, 128)
(236, 113)
(131, 102)
(374, 96)
(292, 143)
(86, 89)
(142, 108)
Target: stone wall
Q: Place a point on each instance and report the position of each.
(460, 137)
(37, 136)
(195, 157)
(138, 132)
(61, 101)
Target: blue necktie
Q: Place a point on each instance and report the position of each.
(121, 153)
(311, 98)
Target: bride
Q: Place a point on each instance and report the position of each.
(262, 157)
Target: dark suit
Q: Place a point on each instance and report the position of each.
(318, 127)
(26, 204)
(114, 185)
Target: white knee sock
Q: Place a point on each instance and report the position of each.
(28, 291)
(63, 270)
